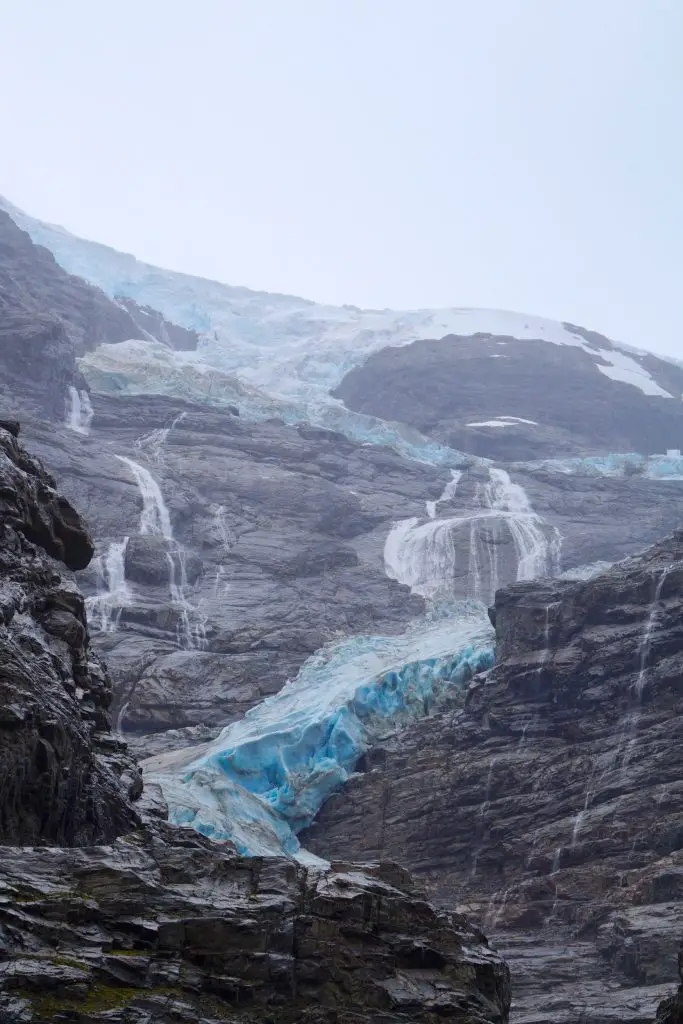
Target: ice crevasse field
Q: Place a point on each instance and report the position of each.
(263, 779)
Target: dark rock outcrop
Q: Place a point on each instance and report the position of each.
(549, 804)
(671, 1010)
(451, 389)
(48, 318)
(65, 779)
(150, 322)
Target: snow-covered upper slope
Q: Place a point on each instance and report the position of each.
(294, 350)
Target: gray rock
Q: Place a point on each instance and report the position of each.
(61, 781)
(561, 776)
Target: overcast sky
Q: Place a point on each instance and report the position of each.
(517, 154)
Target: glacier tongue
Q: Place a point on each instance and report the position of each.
(265, 777)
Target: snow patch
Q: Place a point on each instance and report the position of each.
(626, 370)
(502, 421)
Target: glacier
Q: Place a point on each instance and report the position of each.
(280, 355)
(264, 778)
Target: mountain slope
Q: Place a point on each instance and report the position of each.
(567, 384)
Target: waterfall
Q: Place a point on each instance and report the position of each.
(446, 495)
(192, 625)
(118, 729)
(155, 521)
(153, 443)
(536, 554)
(423, 555)
(79, 411)
(223, 531)
(113, 592)
(649, 626)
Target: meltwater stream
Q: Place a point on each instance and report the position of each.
(79, 411)
(155, 520)
(265, 777)
(427, 555)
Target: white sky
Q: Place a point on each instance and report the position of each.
(517, 154)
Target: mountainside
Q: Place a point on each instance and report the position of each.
(290, 592)
(507, 398)
(158, 925)
(503, 385)
(562, 773)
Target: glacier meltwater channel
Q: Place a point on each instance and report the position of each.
(265, 777)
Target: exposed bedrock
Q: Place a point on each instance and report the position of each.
(110, 916)
(550, 804)
(65, 779)
(164, 926)
(556, 400)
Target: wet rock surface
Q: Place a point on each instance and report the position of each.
(160, 924)
(670, 1011)
(65, 779)
(549, 804)
(164, 925)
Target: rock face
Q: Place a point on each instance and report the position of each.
(65, 779)
(671, 1010)
(48, 318)
(454, 390)
(549, 804)
(163, 925)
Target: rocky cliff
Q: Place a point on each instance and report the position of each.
(478, 393)
(65, 779)
(159, 924)
(248, 528)
(548, 804)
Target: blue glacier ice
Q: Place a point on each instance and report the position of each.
(265, 777)
(279, 355)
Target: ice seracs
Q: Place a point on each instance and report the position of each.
(292, 350)
(265, 777)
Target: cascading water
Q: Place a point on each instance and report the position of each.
(537, 554)
(424, 554)
(79, 411)
(113, 591)
(155, 520)
(152, 444)
(650, 625)
(446, 495)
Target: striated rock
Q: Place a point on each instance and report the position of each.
(670, 1011)
(64, 778)
(549, 804)
(164, 925)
